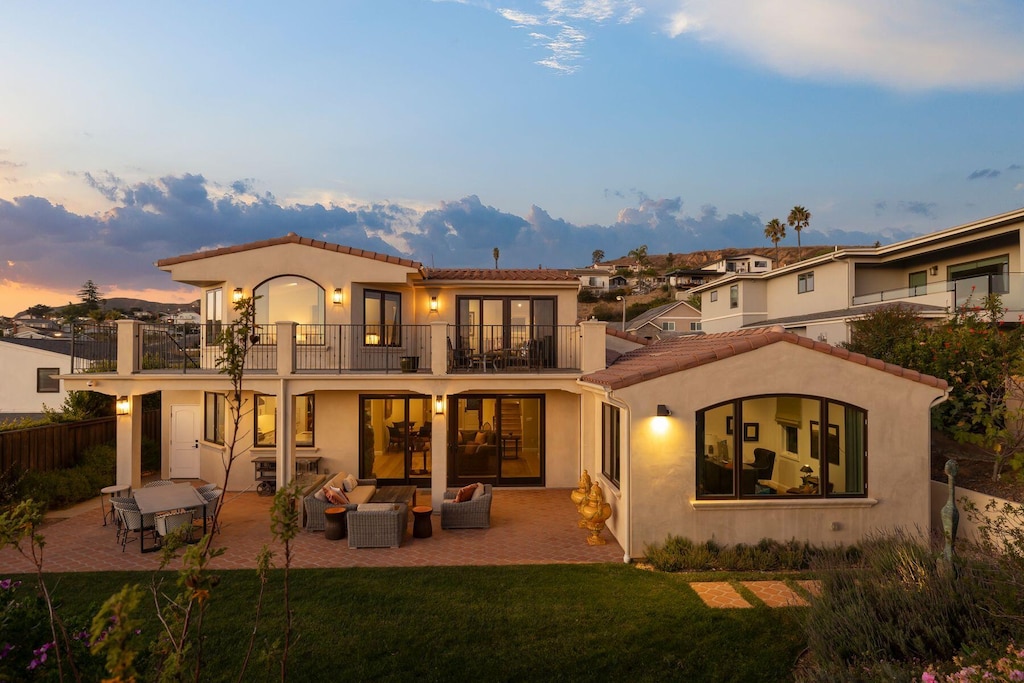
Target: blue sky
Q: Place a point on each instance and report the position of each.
(441, 129)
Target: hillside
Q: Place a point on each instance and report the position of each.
(696, 259)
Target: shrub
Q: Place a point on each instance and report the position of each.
(62, 488)
(586, 296)
(681, 554)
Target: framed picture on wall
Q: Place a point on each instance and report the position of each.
(815, 439)
(833, 444)
(751, 431)
(728, 424)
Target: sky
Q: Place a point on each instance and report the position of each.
(440, 129)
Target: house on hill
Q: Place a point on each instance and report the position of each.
(670, 319)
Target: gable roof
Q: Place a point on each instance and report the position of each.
(677, 354)
(290, 238)
(651, 314)
(505, 274)
(61, 346)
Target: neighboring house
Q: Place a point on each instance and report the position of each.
(753, 418)
(379, 366)
(30, 370)
(36, 328)
(742, 263)
(594, 279)
(184, 318)
(668, 320)
(819, 297)
(617, 282)
(686, 278)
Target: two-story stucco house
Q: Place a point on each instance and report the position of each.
(933, 273)
(379, 366)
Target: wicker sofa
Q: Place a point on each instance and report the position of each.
(377, 525)
(471, 514)
(316, 502)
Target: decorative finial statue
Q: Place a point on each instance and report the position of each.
(595, 512)
(950, 515)
(579, 497)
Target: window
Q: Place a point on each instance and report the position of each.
(805, 282)
(303, 413)
(714, 295)
(46, 380)
(610, 443)
(214, 314)
(770, 446)
(695, 327)
(986, 276)
(730, 267)
(918, 283)
(213, 418)
(734, 296)
(493, 323)
(667, 326)
(289, 298)
(382, 316)
(760, 264)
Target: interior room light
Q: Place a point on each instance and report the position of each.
(236, 295)
(123, 406)
(433, 304)
(439, 405)
(339, 296)
(372, 339)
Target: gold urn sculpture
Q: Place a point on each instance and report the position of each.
(579, 497)
(595, 513)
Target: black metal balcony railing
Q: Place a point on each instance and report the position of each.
(362, 348)
(513, 348)
(190, 348)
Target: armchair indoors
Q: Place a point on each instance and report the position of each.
(764, 462)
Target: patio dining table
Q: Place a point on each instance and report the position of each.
(157, 499)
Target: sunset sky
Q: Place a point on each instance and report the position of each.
(437, 130)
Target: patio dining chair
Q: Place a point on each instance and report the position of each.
(158, 482)
(170, 522)
(205, 513)
(132, 521)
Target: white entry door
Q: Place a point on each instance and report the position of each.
(185, 433)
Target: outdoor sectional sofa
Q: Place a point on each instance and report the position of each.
(316, 502)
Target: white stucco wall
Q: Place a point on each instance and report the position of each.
(18, 365)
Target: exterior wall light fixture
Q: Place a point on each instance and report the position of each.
(236, 295)
(663, 410)
(123, 406)
(339, 296)
(439, 405)
(433, 304)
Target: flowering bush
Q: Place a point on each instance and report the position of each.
(1007, 668)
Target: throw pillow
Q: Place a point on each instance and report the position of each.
(321, 495)
(479, 491)
(350, 482)
(470, 448)
(481, 438)
(465, 493)
(336, 496)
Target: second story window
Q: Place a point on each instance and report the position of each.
(714, 296)
(734, 296)
(382, 315)
(289, 298)
(214, 314)
(695, 327)
(667, 326)
(805, 282)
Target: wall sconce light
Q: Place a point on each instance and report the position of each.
(934, 270)
(123, 406)
(236, 295)
(663, 410)
(433, 304)
(439, 405)
(339, 296)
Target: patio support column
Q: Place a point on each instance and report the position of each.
(285, 435)
(592, 353)
(129, 445)
(438, 349)
(127, 347)
(439, 456)
(285, 348)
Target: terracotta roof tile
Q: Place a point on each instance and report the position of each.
(676, 354)
(544, 274)
(628, 336)
(290, 238)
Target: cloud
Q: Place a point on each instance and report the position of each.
(45, 245)
(1014, 167)
(556, 27)
(908, 45)
(983, 173)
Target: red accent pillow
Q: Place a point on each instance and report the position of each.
(465, 493)
(336, 496)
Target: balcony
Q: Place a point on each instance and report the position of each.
(329, 349)
(952, 294)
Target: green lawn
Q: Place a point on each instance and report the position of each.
(590, 622)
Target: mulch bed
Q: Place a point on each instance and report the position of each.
(974, 469)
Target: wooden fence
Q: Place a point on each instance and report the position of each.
(59, 446)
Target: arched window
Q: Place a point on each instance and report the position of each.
(289, 298)
(770, 446)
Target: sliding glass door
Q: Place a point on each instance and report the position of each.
(497, 440)
(396, 439)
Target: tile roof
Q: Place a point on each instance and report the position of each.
(290, 238)
(628, 336)
(506, 274)
(683, 353)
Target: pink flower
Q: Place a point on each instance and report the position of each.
(928, 677)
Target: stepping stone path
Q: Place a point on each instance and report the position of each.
(723, 595)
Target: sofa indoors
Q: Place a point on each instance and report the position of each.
(316, 502)
(477, 453)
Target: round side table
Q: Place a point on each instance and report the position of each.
(422, 527)
(334, 523)
(109, 492)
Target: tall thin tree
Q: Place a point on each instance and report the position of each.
(775, 231)
(496, 253)
(799, 218)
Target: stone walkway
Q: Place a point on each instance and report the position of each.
(723, 594)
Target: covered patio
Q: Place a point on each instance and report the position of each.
(528, 526)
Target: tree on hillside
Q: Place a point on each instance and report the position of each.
(39, 310)
(799, 218)
(597, 256)
(670, 260)
(775, 232)
(496, 253)
(90, 297)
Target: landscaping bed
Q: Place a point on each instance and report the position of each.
(974, 469)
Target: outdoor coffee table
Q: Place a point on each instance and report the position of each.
(395, 494)
(334, 523)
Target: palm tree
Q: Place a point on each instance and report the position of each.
(799, 218)
(496, 253)
(775, 231)
(640, 256)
